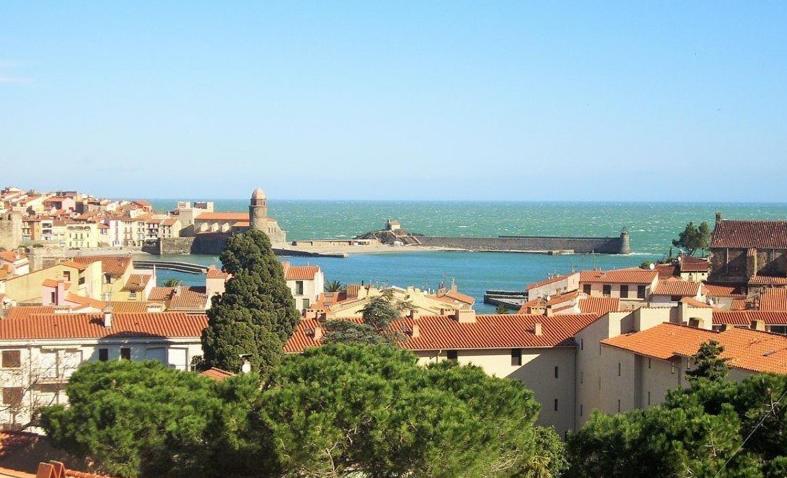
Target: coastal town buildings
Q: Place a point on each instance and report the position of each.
(306, 284)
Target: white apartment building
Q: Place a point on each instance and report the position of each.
(306, 284)
(39, 352)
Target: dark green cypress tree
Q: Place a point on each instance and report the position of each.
(256, 313)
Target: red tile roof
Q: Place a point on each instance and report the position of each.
(745, 317)
(548, 280)
(300, 272)
(692, 302)
(217, 374)
(666, 270)
(677, 287)
(767, 280)
(115, 266)
(90, 326)
(8, 256)
(693, 264)
(214, 273)
(137, 282)
(488, 332)
(746, 349)
(774, 299)
(714, 290)
(223, 216)
(618, 276)
(22, 311)
(452, 295)
(747, 234)
(599, 305)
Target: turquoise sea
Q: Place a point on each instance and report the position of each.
(652, 226)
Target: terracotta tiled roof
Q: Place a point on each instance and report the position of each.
(692, 302)
(666, 270)
(217, 374)
(115, 266)
(90, 326)
(677, 287)
(714, 290)
(488, 332)
(738, 304)
(137, 282)
(561, 298)
(599, 305)
(53, 283)
(774, 299)
(300, 272)
(548, 280)
(132, 307)
(22, 311)
(618, 276)
(527, 307)
(767, 280)
(746, 349)
(745, 317)
(746, 234)
(223, 216)
(84, 301)
(8, 256)
(693, 264)
(188, 299)
(452, 295)
(214, 273)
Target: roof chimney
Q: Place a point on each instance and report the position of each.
(416, 332)
(465, 316)
(726, 327)
(538, 329)
(758, 325)
(107, 316)
(718, 217)
(318, 332)
(415, 315)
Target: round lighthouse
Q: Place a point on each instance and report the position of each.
(258, 209)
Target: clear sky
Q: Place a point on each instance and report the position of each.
(401, 100)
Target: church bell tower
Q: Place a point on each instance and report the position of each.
(258, 209)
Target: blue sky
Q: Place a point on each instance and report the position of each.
(400, 100)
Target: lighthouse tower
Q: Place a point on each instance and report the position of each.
(258, 210)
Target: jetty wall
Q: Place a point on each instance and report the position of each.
(204, 243)
(580, 245)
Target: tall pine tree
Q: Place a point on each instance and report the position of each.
(256, 313)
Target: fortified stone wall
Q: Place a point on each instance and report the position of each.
(582, 245)
(205, 243)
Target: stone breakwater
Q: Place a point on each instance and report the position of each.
(579, 245)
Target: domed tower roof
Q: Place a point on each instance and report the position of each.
(258, 194)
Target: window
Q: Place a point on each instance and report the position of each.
(452, 355)
(125, 353)
(556, 404)
(586, 289)
(516, 357)
(648, 397)
(557, 374)
(305, 304)
(582, 344)
(299, 287)
(103, 354)
(607, 290)
(672, 367)
(624, 291)
(674, 298)
(778, 329)
(619, 368)
(12, 396)
(12, 359)
(581, 409)
(648, 363)
(53, 297)
(67, 276)
(618, 405)
(641, 291)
